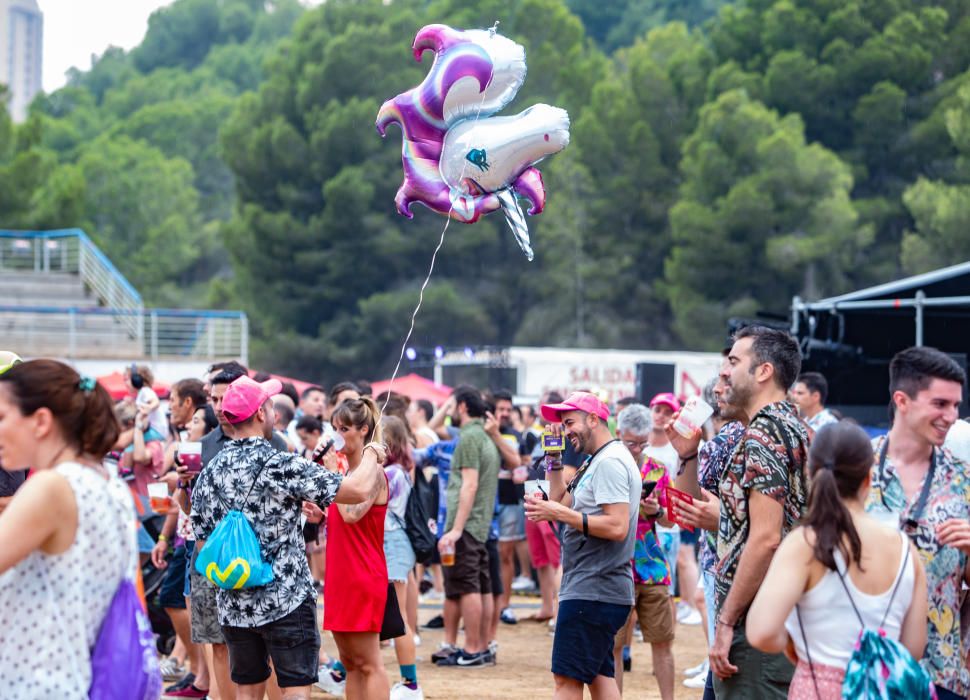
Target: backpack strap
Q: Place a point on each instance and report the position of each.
(849, 595)
(811, 666)
(899, 579)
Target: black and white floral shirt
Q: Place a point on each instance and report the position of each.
(273, 509)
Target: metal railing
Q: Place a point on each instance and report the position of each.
(72, 251)
(153, 334)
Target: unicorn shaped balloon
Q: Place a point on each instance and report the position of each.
(460, 160)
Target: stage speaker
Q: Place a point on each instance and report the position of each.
(654, 378)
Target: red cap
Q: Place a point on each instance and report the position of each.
(577, 401)
(666, 399)
(245, 396)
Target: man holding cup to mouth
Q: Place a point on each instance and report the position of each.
(596, 512)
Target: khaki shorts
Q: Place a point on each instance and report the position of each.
(654, 613)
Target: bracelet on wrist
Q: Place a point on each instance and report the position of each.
(162, 538)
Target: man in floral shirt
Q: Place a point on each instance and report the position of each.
(763, 493)
(926, 387)
(276, 620)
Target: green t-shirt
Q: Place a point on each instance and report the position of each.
(475, 450)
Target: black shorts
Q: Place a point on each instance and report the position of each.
(470, 573)
(494, 567)
(583, 645)
(292, 642)
(170, 595)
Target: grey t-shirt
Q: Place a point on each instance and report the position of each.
(601, 570)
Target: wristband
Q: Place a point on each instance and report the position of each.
(162, 538)
(585, 525)
(688, 458)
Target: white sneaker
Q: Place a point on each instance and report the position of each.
(697, 670)
(432, 596)
(691, 617)
(698, 681)
(328, 684)
(637, 633)
(522, 583)
(417, 640)
(402, 692)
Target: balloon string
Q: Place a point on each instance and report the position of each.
(434, 256)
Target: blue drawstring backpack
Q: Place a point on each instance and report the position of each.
(231, 558)
(879, 668)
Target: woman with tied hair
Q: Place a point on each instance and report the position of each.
(67, 539)
(398, 552)
(840, 565)
(355, 584)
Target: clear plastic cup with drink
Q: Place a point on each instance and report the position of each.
(537, 486)
(692, 416)
(190, 454)
(448, 555)
(158, 498)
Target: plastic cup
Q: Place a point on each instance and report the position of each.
(159, 499)
(692, 416)
(537, 486)
(448, 555)
(190, 454)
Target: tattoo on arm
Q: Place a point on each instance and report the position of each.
(358, 509)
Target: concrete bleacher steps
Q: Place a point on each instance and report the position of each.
(48, 331)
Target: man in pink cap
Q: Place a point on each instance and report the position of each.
(596, 512)
(269, 487)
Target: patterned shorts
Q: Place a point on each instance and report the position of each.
(827, 679)
(205, 612)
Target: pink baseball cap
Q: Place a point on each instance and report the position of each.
(577, 401)
(666, 399)
(245, 396)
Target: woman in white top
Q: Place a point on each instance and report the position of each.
(67, 538)
(881, 570)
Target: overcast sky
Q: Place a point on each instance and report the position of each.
(74, 30)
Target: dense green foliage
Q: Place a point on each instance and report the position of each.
(725, 156)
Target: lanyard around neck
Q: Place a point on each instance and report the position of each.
(586, 465)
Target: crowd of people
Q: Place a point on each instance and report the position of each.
(782, 529)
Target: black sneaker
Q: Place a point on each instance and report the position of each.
(187, 680)
(627, 664)
(435, 623)
(508, 617)
(463, 659)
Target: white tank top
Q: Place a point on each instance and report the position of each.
(831, 624)
(52, 606)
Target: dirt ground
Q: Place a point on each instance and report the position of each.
(523, 664)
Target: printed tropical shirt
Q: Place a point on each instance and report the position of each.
(649, 562)
(949, 497)
(760, 462)
(269, 487)
(712, 460)
(821, 419)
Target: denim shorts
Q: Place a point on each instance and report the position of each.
(511, 522)
(173, 585)
(399, 555)
(583, 645)
(292, 642)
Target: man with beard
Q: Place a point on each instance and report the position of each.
(919, 486)
(597, 513)
(763, 493)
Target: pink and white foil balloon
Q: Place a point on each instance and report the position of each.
(460, 160)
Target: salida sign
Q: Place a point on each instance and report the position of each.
(611, 373)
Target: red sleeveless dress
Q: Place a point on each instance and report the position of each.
(355, 584)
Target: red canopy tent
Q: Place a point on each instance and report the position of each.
(115, 384)
(415, 387)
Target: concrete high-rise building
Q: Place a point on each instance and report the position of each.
(21, 53)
